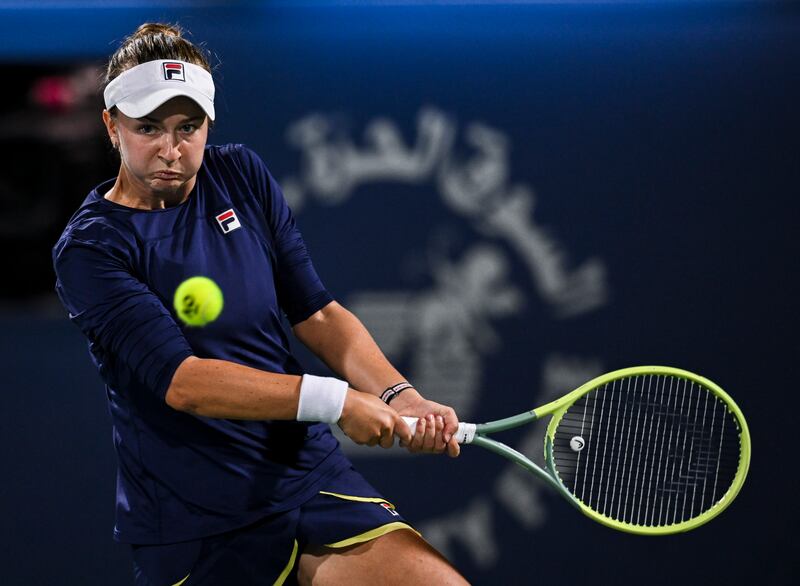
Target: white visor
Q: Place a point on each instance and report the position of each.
(141, 89)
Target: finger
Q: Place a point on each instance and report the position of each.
(430, 434)
(439, 444)
(402, 431)
(453, 448)
(450, 423)
(419, 435)
(387, 435)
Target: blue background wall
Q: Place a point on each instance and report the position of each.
(656, 142)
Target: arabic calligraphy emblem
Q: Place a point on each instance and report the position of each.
(447, 332)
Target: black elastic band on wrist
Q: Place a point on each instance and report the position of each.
(394, 390)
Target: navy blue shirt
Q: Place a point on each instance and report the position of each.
(182, 476)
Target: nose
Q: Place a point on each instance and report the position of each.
(168, 149)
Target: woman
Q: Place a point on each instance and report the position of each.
(228, 472)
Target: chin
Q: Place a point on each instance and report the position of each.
(166, 189)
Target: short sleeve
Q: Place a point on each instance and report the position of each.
(299, 288)
(131, 334)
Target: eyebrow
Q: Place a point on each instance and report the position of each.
(192, 119)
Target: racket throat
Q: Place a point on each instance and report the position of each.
(522, 461)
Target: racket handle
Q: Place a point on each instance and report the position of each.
(464, 435)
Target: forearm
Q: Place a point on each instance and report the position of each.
(222, 389)
(340, 340)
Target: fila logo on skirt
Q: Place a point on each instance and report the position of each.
(389, 509)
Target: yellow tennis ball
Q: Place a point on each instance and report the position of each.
(198, 301)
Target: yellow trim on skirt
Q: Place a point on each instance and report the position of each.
(285, 574)
(360, 499)
(372, 534)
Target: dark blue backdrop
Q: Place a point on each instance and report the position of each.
(653, 145)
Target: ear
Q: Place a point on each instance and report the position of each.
(111, 128)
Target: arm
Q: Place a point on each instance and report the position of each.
(222, 389)
(124, 318)
(247, 393)
(340, 339)
(334, 334)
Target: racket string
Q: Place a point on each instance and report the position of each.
(578, 461)
(644, 468)
(656, 445)
(658, 449)
(599, 431)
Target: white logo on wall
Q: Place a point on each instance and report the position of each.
(447, 331)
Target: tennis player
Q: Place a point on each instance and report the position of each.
(228, 471)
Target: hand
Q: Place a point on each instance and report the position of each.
(436, 426)
(369, 421)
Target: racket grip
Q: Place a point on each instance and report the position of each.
(464, 435)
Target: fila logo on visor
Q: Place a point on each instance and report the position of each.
(174, 72)
(228, 221)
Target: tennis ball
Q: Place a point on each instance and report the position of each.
(198, 301)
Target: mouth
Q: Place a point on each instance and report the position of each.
(166, 175)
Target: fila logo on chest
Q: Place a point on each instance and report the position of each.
(228, 222)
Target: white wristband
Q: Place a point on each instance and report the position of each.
(321, 398)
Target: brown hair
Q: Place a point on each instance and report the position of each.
(153, 41)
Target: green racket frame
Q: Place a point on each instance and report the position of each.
(557, 409)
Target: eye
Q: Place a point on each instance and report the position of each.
(188, 128)
(146, 129)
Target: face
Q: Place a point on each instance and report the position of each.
(161, 152)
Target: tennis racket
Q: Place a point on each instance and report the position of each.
(651, 450)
